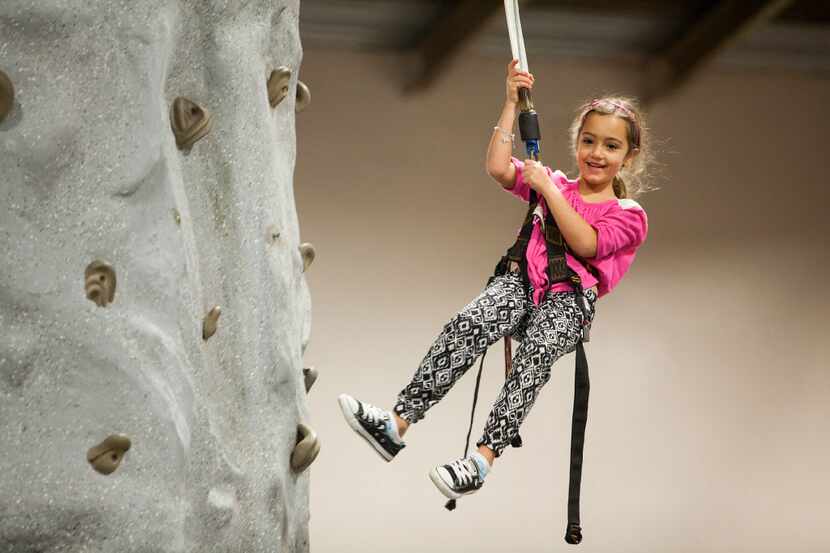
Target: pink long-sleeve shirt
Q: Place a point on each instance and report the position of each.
(621, 227)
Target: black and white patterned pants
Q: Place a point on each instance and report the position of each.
(549, 331)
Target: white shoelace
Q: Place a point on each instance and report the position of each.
(465, 470)
(374, 414)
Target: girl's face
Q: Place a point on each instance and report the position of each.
(602, 149)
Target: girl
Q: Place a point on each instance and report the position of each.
(602, 228)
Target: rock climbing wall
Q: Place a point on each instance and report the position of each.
(153, 304)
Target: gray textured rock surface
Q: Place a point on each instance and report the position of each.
(89, 170)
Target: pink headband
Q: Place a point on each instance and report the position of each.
(594, 103)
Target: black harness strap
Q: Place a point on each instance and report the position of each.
(582, 386)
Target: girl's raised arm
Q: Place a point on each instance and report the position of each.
(501, 142)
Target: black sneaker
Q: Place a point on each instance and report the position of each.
(458, 478)
(370, 422)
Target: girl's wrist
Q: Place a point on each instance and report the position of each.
(552, 188)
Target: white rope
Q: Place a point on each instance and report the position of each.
(514, 29)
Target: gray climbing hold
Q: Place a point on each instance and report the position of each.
(99, 283)
(306, 450)
(303, 97)
(278, 85)
(308, 254)
(6, 95)
(222, 505)
(106, 456)
(310, 375)
(211, 322)
(190, 122)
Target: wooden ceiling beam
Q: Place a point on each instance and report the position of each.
(703, 39)
(444, 39)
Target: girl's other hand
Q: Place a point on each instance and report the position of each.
(535, 176)
(515, 80)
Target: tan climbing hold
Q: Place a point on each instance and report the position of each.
(190, 122)
(278, 85)
(211, 322)
(106, 456)
(177, 216)
(310, 375)
(99, 282)
(308, 255)
(306, 450)
(6, 95)
(303, 97)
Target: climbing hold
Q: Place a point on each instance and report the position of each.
(189, 121)
(271, 234)
(6, 95)
(278, 85)
(99, 280)
(211, 322)
(307, 252)
(177, 216)
(106, 456)
(222, 505)
(303, 97)
(310, 375)
(306, 450)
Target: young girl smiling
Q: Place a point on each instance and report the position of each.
(602, 227)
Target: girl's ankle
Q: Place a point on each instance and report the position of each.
(488, 454)
(401, 424)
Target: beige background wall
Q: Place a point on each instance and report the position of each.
(709, 411)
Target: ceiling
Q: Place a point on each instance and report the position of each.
(670, 39)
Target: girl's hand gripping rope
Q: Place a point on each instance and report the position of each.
(515, 80)
(536, 177)
(519, 84)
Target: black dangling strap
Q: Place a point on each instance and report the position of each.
(582, 385)
(450, 505)
(573, 535)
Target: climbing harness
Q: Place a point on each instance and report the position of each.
(558, 271)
